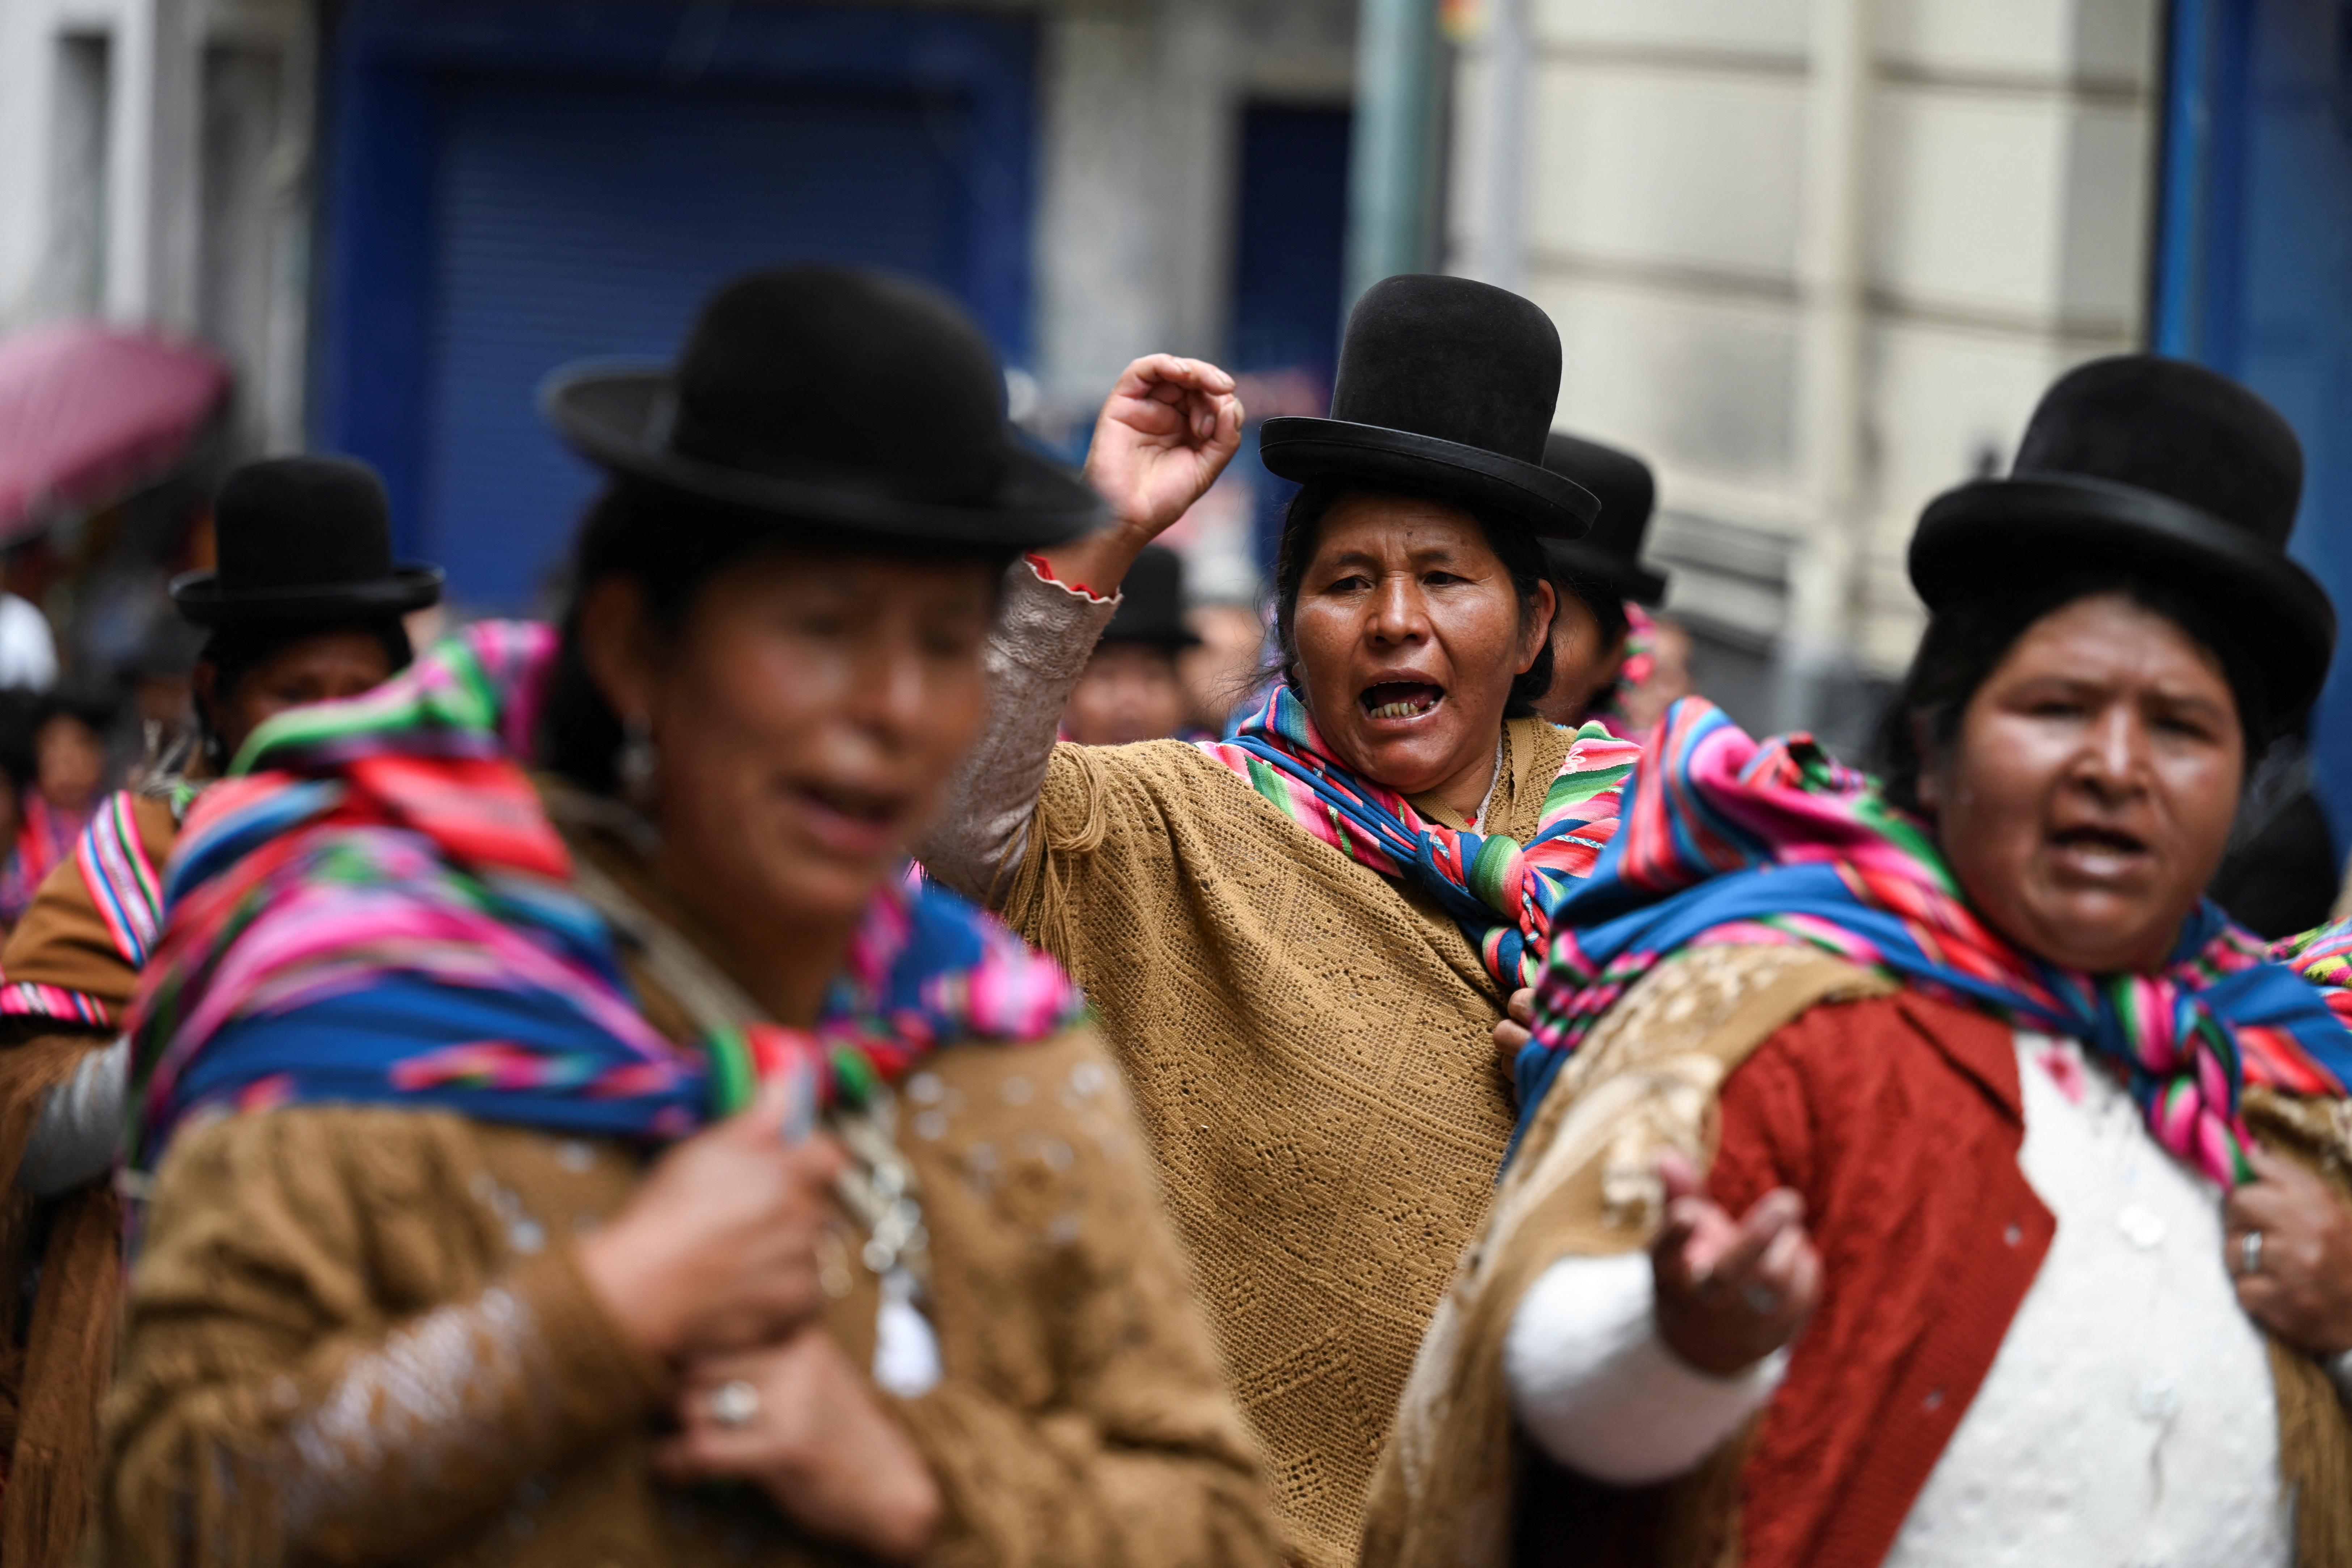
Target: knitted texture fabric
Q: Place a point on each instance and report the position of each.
(1310, 1049)
(361, 1335)
(1586, 1185)
(70, 966)
(1930, 1237)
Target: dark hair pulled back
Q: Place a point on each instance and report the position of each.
(1965, 643)
(672, 546)
(1521, 553)
(1607, 604)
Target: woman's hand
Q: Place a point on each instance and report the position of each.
(1731, 1292)
(1166, 432)
(812, 1435)
(717, 1250)
(1514, 1032)
(2302, 1291)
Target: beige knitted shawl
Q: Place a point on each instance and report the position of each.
(1310, 1051)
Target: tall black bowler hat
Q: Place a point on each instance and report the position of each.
(1152, 602)
(305, 539)
(1609, 557)
(1446, 388)
(2147, 466)
(834, 397)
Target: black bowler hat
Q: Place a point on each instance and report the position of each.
(835, 397)
(1446, 388)
(1152, 602)
(2150, 466)
(1610, 557)
(303, 539)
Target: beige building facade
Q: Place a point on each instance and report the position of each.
(1814, 260)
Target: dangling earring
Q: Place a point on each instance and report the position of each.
(637, 760)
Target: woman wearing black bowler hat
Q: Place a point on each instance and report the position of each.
(1300, 939)
(571, 1140)
(1603, 643)
(1924, 1172)
(1130, 690)
(304, 607)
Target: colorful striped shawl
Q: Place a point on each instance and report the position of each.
(126, 893)
(1501, 893)
(380, 911)
(1724, 840)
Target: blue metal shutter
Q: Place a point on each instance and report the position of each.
(576, 218)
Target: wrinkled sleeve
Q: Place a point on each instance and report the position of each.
(1591, 1380)
(78, 1126)
(272, 1407)
(1598, 1388)
(1045, 634)
(1137, 1456)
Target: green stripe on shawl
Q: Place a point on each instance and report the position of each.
(468, 699)
(733, 1081)
(1490, 872)
(1274, 786)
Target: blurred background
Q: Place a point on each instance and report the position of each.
(1814, 260)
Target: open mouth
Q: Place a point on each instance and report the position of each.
(2100, 854)
(851, 818)
(1401, 698)
(858, 805)
(2098, 841)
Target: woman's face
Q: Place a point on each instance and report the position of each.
(327, 667)
(1582, 665)
(2088, 795)
(69, 760)
(1409, 638)
(1128, 692)
(806, 719)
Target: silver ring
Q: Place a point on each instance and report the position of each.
(734, 1404)
(1762, 1299)
(2250, 1253)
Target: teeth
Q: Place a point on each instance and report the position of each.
(1401, 709)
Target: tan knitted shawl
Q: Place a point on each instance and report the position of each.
(54, 1366)
(1310, 1052)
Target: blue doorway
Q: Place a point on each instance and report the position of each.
(519, 184)
(2254, 265)
(1290, 242)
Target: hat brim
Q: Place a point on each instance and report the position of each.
(202, 600)
(1983, 539)
(610, 414)
(1306, 449)
(1627, 579)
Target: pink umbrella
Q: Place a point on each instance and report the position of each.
(89, 413)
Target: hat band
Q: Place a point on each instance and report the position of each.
(971, 481)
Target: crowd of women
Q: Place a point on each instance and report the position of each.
(544, 1121)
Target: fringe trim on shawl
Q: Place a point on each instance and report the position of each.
(2315, 1433)
(1643, 1082)
(1044, 877)
(1446, 1493)
(53, 1393)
